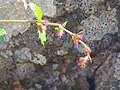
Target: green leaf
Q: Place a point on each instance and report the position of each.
(64, 24)
(37, 11)
(42, 36)
(2, 34)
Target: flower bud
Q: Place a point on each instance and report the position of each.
(45, 22)
(60, 33)
(87, 50)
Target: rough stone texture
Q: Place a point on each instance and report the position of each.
(87, 6)
(23, 54)
(38, 86)
(107, 76)
(97, 27)
(12, 11)
(61, 52)
(39, 59)
(4, 67)
(24, 70)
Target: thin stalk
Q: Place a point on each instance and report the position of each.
(83, 43)
(18, 21)
(69, 32)
(35, 21)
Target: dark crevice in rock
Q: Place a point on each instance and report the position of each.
(118, 16)
(91, 81)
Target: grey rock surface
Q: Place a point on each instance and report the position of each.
(61, 52)
(24, 70)
(31, 89)
(107, 76)
(97, 27)
(87, 6)
(39, 59)
(4, 66)
(23, 54)
(10, 10)
(6, 54)
(38, 86)
(47, 7)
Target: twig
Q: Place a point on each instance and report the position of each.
(36, 21)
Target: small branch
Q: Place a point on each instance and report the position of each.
(83, 43)
(69, 32)
(35, 21)
(18, 21)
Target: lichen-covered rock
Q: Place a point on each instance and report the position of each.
(107, 76)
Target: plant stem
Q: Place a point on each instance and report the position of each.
(34, 21)
(18, 21)
(69, 32)
(83, 43)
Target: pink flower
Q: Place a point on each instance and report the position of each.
(76, 38)
(43, 27)
(75, 42)
(82, 62)
(59, 33)
(87, 50)
(45, 22)
(81, 36)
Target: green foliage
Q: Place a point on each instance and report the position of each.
(63, 25)
(42, 36)
(2, 34)
(37, 11)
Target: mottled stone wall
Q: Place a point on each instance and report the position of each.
(100, 20)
